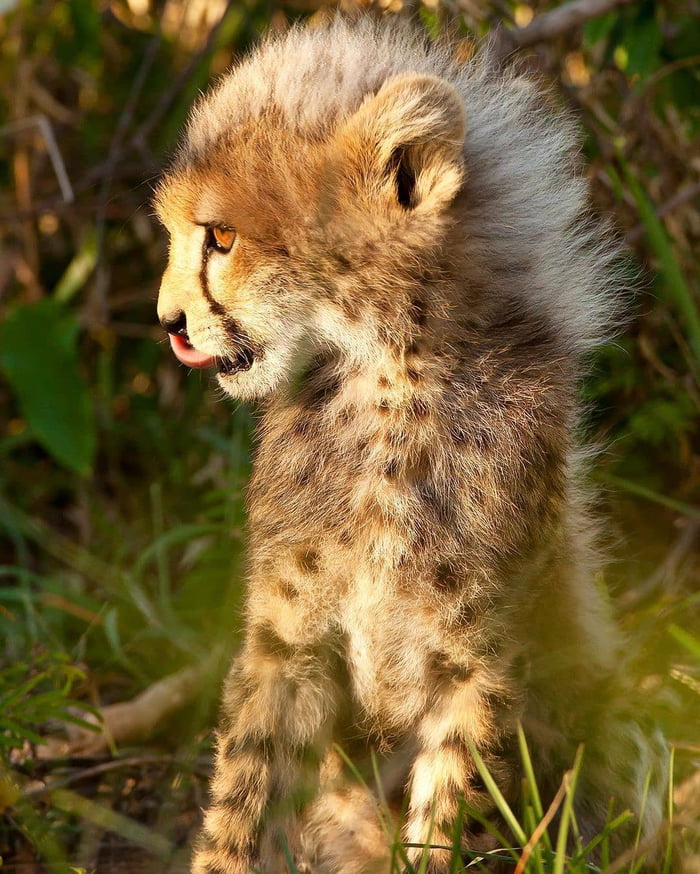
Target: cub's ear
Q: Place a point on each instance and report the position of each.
(406, 142)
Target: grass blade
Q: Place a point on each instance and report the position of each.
(669, 836)
(529, 773)
(569, 784)
(70, 802)
(643, 492)
(674, 280)
(687, 640)
(497, 796)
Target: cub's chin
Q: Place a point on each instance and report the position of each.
(243, 385)
(253, 383)
(275, 367)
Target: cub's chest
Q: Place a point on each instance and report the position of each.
(387, 651)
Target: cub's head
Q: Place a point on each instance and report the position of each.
(306, 199)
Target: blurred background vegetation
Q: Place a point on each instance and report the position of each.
(121, 476)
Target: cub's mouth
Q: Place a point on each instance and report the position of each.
(191, 357)
(242, 361)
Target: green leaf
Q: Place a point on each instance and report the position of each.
(597, 29)
(643, 44)
(38, 356)
(567, 814)
(431, 21)
(81, 266)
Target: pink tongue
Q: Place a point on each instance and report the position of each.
(188, 354)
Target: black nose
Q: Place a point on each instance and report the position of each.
(175, 324)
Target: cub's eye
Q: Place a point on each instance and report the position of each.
(221, 239)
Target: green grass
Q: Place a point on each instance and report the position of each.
(539, 847)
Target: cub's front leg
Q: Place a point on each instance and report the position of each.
(473, 710)
(279, 707)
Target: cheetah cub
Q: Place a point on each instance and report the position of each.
(390, 254)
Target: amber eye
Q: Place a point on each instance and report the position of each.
(221, 239)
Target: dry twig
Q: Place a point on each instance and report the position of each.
(54, 153)
(543, 824)
(553, 23)
(136, 720)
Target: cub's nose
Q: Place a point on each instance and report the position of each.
(175, 324)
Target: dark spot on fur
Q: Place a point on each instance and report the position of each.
(424, 813)
(438, 504)
(251, 747)
(526, 332)
(245, 796)
(308, 560)
(241, 849)
(413, 349)
(446, 671)
(303, 476)
(270, 528)
(223, 867)
(457, 433)
(318, 383)
(318, 390)
(391, 468)
(419, 408)
(383, 381)
(417, 312)
(383, 406)
(412, 374)
(455, 744)
(288, 590)
(342, 263)
(302, 426)
(482, 439)
(446, 579)
(423, 464)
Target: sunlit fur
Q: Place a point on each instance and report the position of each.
(417, 271)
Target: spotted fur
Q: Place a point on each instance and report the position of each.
(414, 282)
